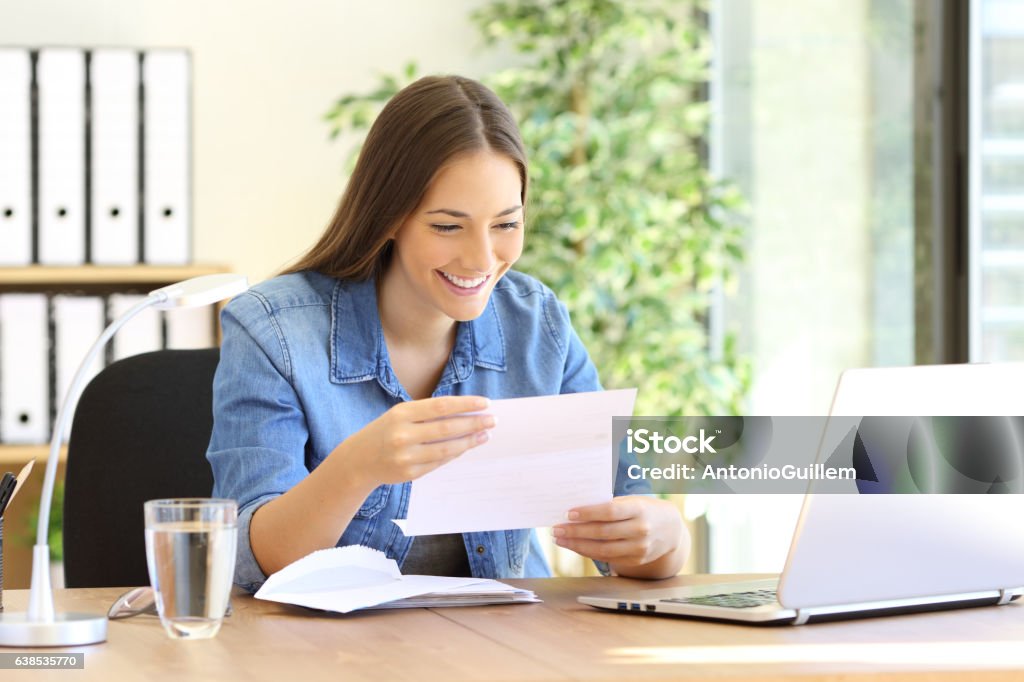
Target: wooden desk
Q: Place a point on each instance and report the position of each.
(556, 640)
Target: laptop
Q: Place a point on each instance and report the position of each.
(855, 556)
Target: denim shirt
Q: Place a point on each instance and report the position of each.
(304, 365)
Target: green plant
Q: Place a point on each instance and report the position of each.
(624, 222)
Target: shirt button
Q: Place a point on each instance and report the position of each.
(480, 549)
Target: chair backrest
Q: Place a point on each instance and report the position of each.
(140, 432)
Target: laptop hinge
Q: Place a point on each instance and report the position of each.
(801, 617)
(1004, 597)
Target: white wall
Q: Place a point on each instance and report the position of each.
(266, 178)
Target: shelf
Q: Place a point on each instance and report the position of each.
(97, 275)
(99, 280)
(21, 454)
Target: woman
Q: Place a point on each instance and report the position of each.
(333, 376)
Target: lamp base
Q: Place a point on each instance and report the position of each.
(67, 629)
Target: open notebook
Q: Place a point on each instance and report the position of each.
(345, 579)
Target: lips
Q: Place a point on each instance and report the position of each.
(462, 286)
(464, 282)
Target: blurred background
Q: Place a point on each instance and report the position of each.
(737, 199)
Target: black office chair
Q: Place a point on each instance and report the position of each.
(140, 432)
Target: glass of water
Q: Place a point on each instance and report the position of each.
(190, 551)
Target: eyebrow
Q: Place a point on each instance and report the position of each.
(462, 214)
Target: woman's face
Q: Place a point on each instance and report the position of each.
(465, 234)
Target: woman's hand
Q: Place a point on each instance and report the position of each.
(638, 536)
(404, 443)
(415, 437)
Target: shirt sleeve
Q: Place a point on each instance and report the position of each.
(259, 428)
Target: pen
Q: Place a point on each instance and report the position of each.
(22, 477)
(6, 489)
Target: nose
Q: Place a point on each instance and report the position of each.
(478, 255)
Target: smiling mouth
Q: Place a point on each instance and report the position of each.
(462, 283)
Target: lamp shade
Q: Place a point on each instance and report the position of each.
(200, 291)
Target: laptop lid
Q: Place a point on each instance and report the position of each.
(865, 548)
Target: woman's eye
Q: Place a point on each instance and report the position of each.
(508, 226)
(444, 228)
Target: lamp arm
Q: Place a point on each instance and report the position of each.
(41, 595)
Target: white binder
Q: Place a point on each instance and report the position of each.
(142, 334)
(15, 157)
(77, 322)
(191, 327)
(60, 76)
(167, 136)
(114, 164)
(24, 369)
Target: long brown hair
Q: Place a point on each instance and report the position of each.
(419, 130)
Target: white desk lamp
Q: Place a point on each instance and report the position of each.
(41, 626)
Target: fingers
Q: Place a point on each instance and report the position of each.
(429, 456)
(600, 530)
(626, 542)
(444, 406)
(413, 438)
(410, 436)
(621, 552)
(452, 427)
(443, 451)
(619, 509)
(413, 461)
(625, 530)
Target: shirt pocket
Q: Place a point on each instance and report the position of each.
(377, 500)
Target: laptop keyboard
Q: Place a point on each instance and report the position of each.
(730, 600)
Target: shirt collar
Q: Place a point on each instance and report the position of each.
(358, 351)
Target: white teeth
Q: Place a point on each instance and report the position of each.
(464, 283)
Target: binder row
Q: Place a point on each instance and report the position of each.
(95, 156)
(45, 337)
